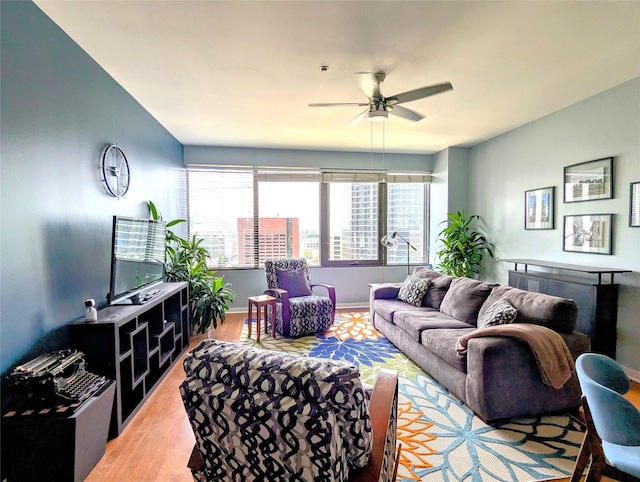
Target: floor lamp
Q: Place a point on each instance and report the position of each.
(390, 241)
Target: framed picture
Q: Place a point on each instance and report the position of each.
(588, 233)
(539, 208)
(634, 205)
(588, 181)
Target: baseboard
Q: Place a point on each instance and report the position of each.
(632, 374)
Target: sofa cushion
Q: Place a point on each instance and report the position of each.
(464, 299)
(439, 285)
(559, 314)
(442, 342)
(387, 308)
(413, 323)
(413, 289)
(499, 313)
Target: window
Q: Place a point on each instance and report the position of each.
(406, 215)
(289, 220)
(221, 212)
(248, 215)
(353, 221)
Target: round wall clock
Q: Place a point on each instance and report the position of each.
(115, 171)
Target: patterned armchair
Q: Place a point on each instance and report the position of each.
(263, 415)
(298, 311)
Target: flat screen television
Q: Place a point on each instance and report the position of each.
(137, 259)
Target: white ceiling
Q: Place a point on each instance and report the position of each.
(241, 73)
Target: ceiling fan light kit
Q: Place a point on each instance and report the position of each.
(378, 115)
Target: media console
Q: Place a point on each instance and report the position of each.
(135, 345)
(597, 300)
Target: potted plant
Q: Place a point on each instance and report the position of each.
(463, 246)
(186, 260)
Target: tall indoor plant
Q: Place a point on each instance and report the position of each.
(186, 260)
(463, 246)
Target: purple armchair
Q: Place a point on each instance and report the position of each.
(298, 311)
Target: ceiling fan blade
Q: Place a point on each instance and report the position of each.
(339, 104)
(419, 93)
(405, 113)
(359, 118)
(366, 83)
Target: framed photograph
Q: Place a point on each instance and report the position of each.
(634, 205)
(588, 181)
(588, 233)
(539, 208)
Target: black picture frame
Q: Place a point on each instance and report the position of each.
(634, 205)
(539, 208)
(588, 233)
(589, 181)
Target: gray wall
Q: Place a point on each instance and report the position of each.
(58, 110)
(533, 156)
(449, 192)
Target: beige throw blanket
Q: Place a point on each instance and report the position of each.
(549, 349)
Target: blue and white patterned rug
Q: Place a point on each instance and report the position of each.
(441, 438)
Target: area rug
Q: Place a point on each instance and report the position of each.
(441, 438)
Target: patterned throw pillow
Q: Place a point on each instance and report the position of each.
(499, 313)
(413, 289)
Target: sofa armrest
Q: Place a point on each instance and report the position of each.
(502, 373)
(385, 291)
(383, 410)
(578, 343)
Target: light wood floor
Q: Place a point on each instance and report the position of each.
(156, 445)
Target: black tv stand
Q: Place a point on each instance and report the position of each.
(135, 345)
(144, 298)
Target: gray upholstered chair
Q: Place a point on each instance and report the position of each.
(264, 415)
(612, 441)
(298, 311)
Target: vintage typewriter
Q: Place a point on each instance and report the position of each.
(56, 378)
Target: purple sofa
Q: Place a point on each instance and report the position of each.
(497, 377)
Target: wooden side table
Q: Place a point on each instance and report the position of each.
(262, 301)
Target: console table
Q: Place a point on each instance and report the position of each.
(597, 301)
(135, 345)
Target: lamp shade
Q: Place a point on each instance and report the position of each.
(389, 241)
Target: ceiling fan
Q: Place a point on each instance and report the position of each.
(379, 107)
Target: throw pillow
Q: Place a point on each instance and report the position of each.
(294, 281)
(499, 313)
(413, 289)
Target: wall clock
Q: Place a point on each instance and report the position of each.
(115, 171)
